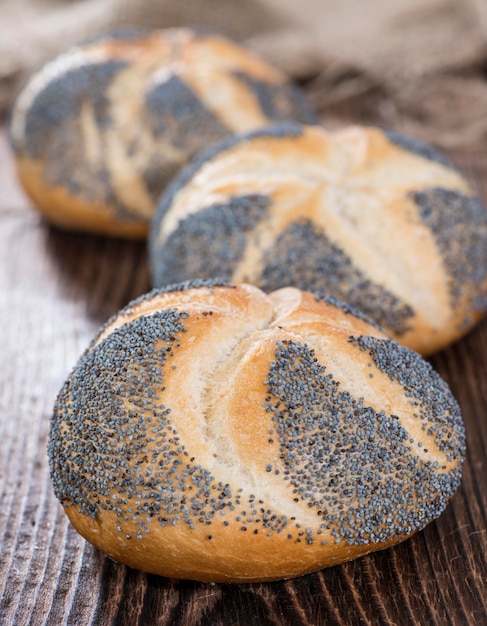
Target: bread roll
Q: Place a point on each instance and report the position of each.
(99, 131)
(370, 217)
(217, 433)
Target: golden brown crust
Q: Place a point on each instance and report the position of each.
(220, 434)
(100, 131)
(82, 217)
(369, 217)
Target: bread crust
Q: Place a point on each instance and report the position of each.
(101, 130)
(371, 218)
(221, 434)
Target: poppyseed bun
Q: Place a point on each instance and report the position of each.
(99, 131)
(217, 433)
(370, 217)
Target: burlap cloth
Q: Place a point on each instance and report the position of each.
(416, 65)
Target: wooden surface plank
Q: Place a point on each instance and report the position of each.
(56, 289)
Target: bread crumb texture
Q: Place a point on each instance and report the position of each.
(217, 433)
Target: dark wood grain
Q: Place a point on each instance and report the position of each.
(56, 289)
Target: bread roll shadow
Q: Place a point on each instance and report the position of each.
(105, 273)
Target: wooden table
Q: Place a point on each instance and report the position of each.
(56, 289)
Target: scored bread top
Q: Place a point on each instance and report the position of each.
(100, 131)
(218, 433)
(375, 219)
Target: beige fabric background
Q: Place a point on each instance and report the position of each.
(416, 65)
